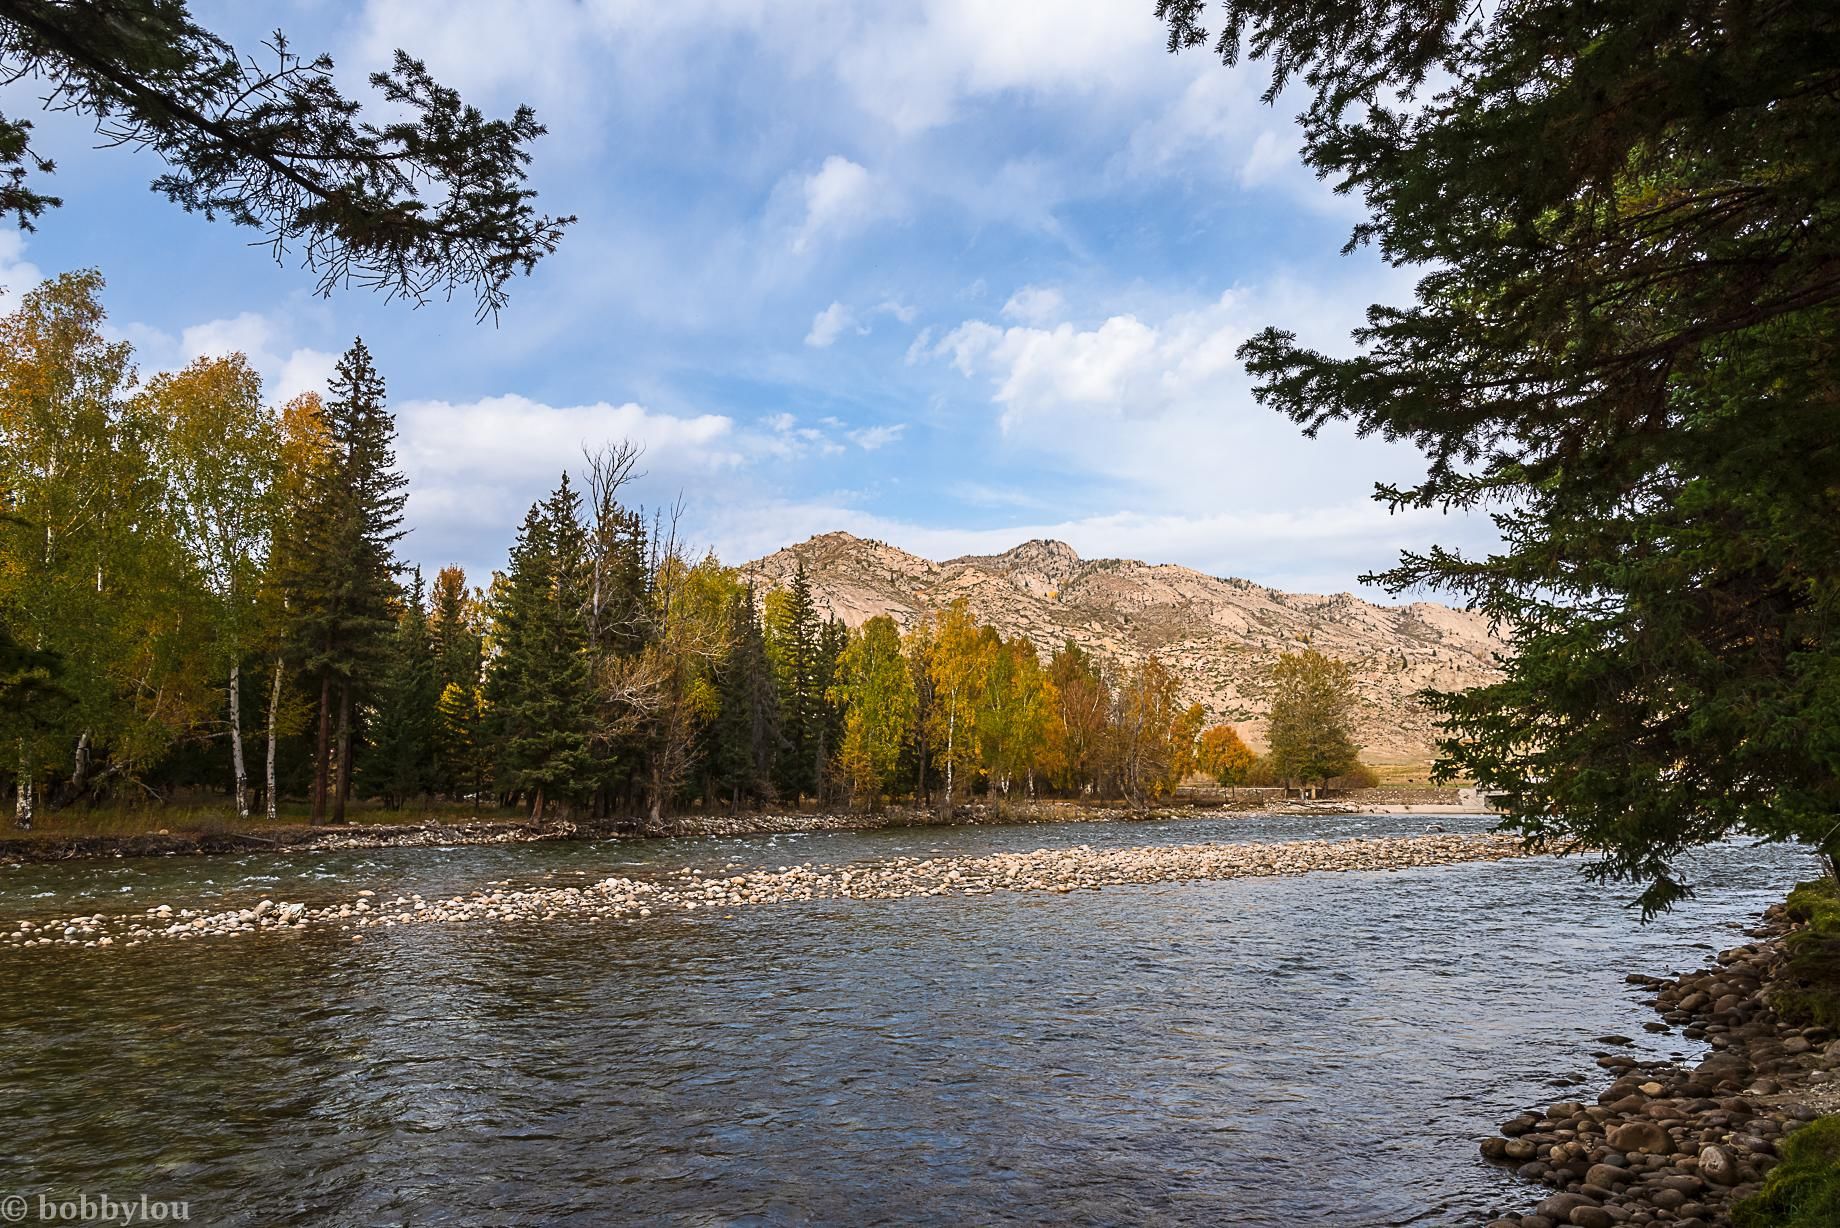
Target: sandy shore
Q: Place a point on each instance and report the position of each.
(625, 899)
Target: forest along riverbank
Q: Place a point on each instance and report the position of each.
(1667, 1143)
(53, 846)
(687, 890)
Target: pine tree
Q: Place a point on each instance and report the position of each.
(540, 686)
(433, 200)
(398, 761)
(792, 637)
(1627, 219)
(827, 712)
(343, 586)
(746, 737)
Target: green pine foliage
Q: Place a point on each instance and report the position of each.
(399, 760)
(431, 201)
(342, 587)
(793, 632)
(746, 738)
(1623, 345)
(539, 688)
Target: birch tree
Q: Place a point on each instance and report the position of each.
(960, 657)
(219, 452)
(875, 693)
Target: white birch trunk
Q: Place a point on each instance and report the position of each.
(274, 713)
(951, 759)
(241, 772)
(22, 804)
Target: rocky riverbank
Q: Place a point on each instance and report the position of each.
(688, 890)
(1674, 1144)
(53, 846)
(283, 838)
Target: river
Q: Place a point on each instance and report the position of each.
(1321, 1050)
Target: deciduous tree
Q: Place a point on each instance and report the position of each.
(1311, 718)
(875, 692)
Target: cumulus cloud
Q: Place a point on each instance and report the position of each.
(473, 467)
(286, 370)
(18, 276)
(1035, 305)
(841, 197)
(1151, 409)
(828, 325)
(915, 65)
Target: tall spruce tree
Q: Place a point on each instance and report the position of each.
(793, 632)
(746, 738)
(1628, 217)
(342, 587)
(398, 761)
(540, 686)
(827, 724)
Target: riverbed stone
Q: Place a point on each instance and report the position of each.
(1640, 1136)
(1719, 1165)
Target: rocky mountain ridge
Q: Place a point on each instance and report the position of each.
(1217, 634)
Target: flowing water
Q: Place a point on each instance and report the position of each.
(1320, 1050)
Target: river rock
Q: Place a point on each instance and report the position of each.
(1718, 1165)
(1608, 1176)
(1640, 1136)
(1560, 1206)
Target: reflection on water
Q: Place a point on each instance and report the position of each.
(1317, 1050)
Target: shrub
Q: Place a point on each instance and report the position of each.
(1807, 990)
(1804, 1190)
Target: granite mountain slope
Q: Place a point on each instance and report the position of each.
(1218, 635)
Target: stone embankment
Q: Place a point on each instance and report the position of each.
(689, 890)
(1681, 1144)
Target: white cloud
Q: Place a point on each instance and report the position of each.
(828, 325)
(914, 69)
(873, 437)
(1218, 128)
(841, 197)
(786, 439)
(265, 340)
(1034, 304)
(474, 467)
(514, 435)
(18, 276)
(1152, 409)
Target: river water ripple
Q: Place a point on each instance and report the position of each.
(1324, 1049)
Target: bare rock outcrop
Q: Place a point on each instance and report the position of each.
(1218, 634)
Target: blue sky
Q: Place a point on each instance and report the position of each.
(952, 274)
